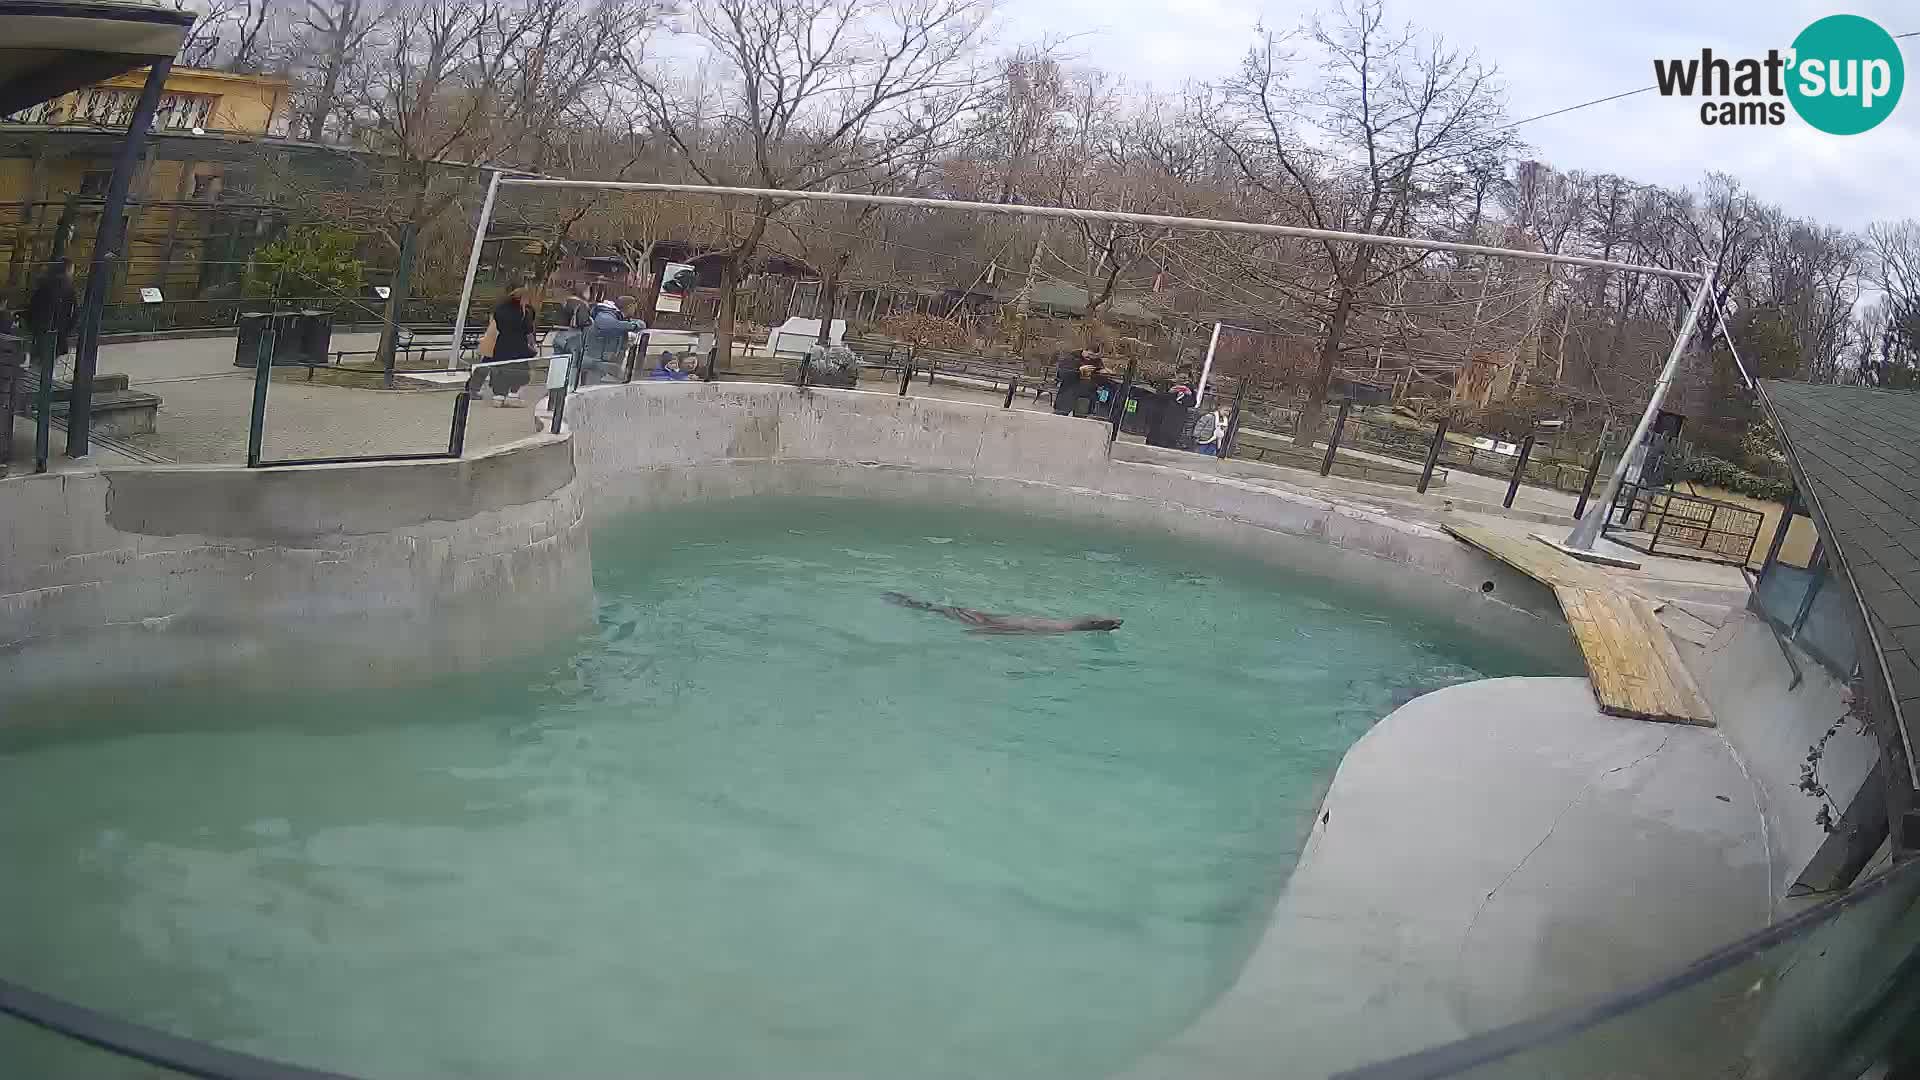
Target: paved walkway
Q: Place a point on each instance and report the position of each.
(205, 403)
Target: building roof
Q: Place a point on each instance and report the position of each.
(53, 46)
(1855, 452)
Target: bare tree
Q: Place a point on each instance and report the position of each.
(1367, 147)
(805, 94)
(454, 83)
(334, 32)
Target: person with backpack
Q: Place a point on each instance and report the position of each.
(1210, 431)
(576, 316)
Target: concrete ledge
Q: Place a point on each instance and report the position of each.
(316, 575)
(1487, 853)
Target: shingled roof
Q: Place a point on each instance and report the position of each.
(1855, 453)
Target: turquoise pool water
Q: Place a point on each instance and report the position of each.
(757, 822)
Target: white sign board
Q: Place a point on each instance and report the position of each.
(382, 291)
(676, 281)
(150, 296)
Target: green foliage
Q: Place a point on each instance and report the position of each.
(1719, 472)
(310, 261)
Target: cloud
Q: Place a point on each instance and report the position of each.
(1561, 53)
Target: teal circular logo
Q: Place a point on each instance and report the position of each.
(1846, 75)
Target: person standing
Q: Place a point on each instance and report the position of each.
(1210, 431)
(606, 336)
(513, 325)
(50, 310)
(577, 315)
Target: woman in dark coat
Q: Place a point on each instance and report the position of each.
(50, 309)
(513, 319)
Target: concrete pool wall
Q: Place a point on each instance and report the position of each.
(648, 444)
(1484, 853)
(327, 574)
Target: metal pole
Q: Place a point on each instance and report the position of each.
(783, 195)
(262, 375)
(1779, 534)
(108, 241)
(1013, 385)
(634, 361)
(1206, 367)
(1519, 469)
(457, 438)
(1587, 532)
(1433, 455)
(1119, 406)
(1593, 469)
(473, 271)
(43, 347)
(1333, 440)
(906, 371)
(1232, 434)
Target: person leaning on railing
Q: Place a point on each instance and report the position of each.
(607, 338)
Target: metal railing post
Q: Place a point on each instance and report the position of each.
(1593, 473)
(1119, 407)
(457, 437)
(1519, 468)
(1232, 434)
(806, 363)
(262, 375)
(1433, 455)
(1013, 386)
(1779, 534)
(634, 361)
(906, 372)
(1333, 439)
(43, 423)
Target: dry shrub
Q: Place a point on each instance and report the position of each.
(924, 330)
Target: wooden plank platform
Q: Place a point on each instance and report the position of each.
(1632, 663)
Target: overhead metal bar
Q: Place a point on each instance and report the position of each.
(1255, 228)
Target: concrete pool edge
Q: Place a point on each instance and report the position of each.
(643, 445)
(349, 574)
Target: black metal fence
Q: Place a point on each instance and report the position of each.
(1661, 521)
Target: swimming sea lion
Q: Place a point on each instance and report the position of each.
(983, 622)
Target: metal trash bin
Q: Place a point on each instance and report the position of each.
(246, 340)
(286, 337)
(313, 339)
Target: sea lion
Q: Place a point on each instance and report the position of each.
(984, 622)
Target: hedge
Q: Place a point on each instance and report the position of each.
(1721, 473)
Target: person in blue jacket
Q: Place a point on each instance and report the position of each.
(606, 334)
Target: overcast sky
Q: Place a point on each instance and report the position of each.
(1554, 53)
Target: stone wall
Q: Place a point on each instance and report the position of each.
(317, 575)
(648, 444)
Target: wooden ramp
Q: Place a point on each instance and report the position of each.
(1632, 663)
